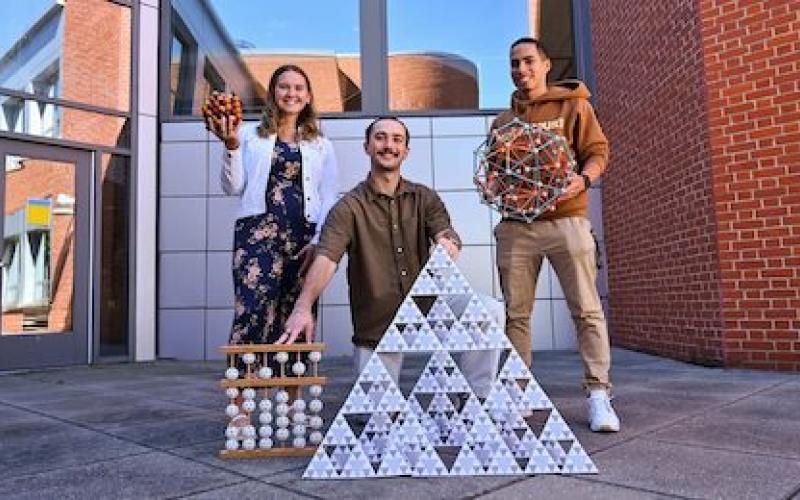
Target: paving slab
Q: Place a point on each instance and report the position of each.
(152, 475)
(391, 488)
(696, 472)
(208, 453)
(249, 490)
(547, 487)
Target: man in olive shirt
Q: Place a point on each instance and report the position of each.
(387, 225)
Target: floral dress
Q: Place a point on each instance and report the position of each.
(265, 276)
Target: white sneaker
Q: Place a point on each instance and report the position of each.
(602, 417)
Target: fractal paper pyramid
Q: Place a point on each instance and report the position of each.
(441, 428)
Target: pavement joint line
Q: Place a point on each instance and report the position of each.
(720, 448)
(691, 415)
(65, 467)
(205, 490)
(633, 488)
(501, 488)
(794, 495)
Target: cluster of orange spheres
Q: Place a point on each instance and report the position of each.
(522, 169)
(219, 105)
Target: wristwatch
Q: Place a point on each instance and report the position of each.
(587, 182)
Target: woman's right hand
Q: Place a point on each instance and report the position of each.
(225, 127)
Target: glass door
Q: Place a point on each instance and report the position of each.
(45, 250)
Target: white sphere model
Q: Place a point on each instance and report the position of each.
(231, 432)
(299, 405)
(282, 397)
(282, 357)
(315, 390)
(249, 393)
(265, 405)
(231, 410)
(315, 437)
(231, 373)
(231, 392)
(265, 418)
(299, 368)
(282, 422)
(265, 443)
(249, 444)
(248, 431)
(299, 442)
(299, 418)
(299, 430)
(282, 409)
(315, 406)
(265, 431)
(314, 356)
(282, 434)
(315, 422)
(249, 358)
(249, 406)
(231, 444)
(265, 372)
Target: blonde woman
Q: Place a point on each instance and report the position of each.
(285, 173)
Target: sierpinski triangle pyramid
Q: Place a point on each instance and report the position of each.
(443, 428)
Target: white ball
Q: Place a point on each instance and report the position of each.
(282, 421)
(282, 397)
(315, 390)
(315, 437)
(299, 430)
(249, 358)
(265, 405)
(231, 432)
(231, 444)
(249, 393)
(314, 356)
(231, 410)
(299, 405)
(265, 372)
(231, 392)
(282, 434)
(299, 368)
(249, 444)
(248, 431)
(315, 422)
(282, 357)
(265, 443)
(265, 418)
(281, 409)
(299, 418)
(249, 406)
(231, 373)
(315, 406)
(265, 431)
(299, 442)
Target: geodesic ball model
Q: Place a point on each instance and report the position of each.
(521, 169)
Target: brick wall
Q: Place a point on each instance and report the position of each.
(751, 53)
(699, 101)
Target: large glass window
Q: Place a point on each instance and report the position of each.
(78, 50)
(454, 55)
(244, 41)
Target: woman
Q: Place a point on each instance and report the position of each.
(285, 174)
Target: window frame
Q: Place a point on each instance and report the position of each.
(373, 33)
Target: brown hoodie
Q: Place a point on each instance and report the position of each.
(564, 109)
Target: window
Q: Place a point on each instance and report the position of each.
(244, 41)
(462, 63)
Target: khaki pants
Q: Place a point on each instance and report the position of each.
(568, 245)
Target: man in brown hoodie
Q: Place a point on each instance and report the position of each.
(562, 235)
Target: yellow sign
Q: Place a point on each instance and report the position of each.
(37, 213)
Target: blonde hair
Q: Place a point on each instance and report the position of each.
(307, 124)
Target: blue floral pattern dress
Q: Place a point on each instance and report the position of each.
(266, 279)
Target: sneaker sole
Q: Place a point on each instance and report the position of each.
(605, 428)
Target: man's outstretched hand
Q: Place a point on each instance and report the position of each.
(300, 322)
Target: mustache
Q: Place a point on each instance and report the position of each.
(388, 150)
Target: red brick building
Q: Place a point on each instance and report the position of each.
(702, 202)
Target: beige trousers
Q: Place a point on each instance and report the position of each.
(568, 245)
